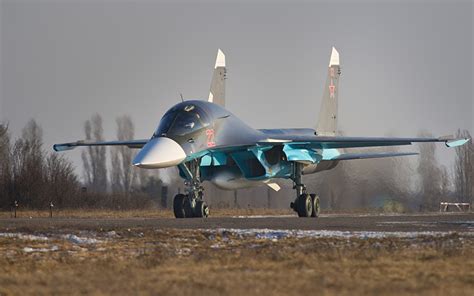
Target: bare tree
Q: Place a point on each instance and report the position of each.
(116, 172)
(35, 177)
(142, 176)
(28, 166)
(464, 169)
(95, 158)
(86, 156)
(430, 175)
(445, 181)
(123, 174)
(63, 186)
(5, 165)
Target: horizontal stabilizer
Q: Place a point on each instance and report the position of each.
(348, 156)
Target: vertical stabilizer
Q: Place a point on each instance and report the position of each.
(327, 121)
(217, 91)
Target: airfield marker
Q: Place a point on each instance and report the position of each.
(51, 206)
(14, 207)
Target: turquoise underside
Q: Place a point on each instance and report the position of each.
(253, 163)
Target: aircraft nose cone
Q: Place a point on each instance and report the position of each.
(158, 153)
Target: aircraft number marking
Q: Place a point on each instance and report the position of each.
(210, 138)
(332, 88)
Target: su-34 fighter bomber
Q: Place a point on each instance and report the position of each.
(208, 143)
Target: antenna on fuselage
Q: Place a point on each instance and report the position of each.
(181, 95)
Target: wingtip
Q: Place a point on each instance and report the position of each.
(220, 59)
(62, 147)
(334, 57)
(457, 142)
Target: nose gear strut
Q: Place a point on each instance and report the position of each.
(191, 204)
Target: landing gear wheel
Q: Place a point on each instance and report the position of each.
(201, 210)
(316, 207)
(189, 206)
(304, 205)
(178, 206)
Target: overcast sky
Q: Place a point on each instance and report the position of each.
(406, 66)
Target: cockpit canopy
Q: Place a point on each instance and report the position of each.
(181, 120)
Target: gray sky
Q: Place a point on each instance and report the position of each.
(406, 66)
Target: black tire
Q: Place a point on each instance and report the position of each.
(316, 206)
(304, 205)
(189, 207)
(178, 206)
(201, 210)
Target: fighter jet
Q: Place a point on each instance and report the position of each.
(209, 143)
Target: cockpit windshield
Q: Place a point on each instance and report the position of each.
(181, 121)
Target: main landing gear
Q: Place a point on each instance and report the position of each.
(191, 205)
(306, 205)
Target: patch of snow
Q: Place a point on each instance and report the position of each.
(111, 234)
(41, 250)
(80, 240)
(467, 224)
(277, 234)
(30, 237)
(183, 251)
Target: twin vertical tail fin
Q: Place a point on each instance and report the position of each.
(217, 91)
(327, 121)
(328, 114)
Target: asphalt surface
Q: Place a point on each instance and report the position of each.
(387, 223)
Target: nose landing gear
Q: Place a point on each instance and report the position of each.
(178, 206)
(191, 205)
(188, 206)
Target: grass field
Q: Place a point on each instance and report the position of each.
(164, 213)
(218, 262)
(151, 213)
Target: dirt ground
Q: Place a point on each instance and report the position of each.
(147, 261)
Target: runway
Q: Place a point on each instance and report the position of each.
(446, 222)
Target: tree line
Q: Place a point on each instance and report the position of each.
(35, 176)
(416, 183)
(31, 176)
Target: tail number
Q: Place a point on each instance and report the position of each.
(210, 138)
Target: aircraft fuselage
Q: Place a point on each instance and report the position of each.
(225, 147)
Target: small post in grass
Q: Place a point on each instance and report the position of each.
(14, 208)
(51, 206)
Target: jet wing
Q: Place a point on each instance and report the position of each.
(134, 144)
(304, 148)
(304, 145)
(348, 156)
(323, 142)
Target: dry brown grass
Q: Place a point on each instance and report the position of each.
(171, 262)
(149, 213)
